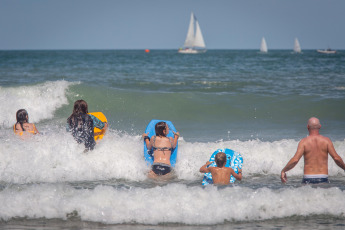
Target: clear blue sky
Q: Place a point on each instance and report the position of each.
(163, 24)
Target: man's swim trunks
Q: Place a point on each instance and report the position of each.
(315, 179)
(161, 169)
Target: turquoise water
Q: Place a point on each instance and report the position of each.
(222, 94)
(256, 104)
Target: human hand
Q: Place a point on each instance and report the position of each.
(176, 134)
(145, 135)
(283, 177)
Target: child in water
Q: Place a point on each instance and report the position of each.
(23, 128)
(220, 174)
(81, 125)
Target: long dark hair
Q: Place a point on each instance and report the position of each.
(22, 117)
(79, 108)
(159, 128)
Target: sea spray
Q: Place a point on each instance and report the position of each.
(41, 101)
(56, 157)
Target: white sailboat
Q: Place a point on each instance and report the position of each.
(327, 51)
(263, 47)
(297, 46)
(194, 42)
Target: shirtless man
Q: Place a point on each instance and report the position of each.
(315, 149)
(220, 174)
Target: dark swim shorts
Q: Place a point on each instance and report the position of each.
(161, 169)
(315, 179)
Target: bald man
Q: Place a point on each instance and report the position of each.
(315, 149)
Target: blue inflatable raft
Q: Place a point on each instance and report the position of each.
(149, 157)
(234, 160)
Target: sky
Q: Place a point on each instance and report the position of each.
(163, 24)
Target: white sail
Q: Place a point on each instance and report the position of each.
(190, 34)
(263, 47)
(194, 42)
(297, 47)
(198, 40)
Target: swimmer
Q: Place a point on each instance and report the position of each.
(81, 125)
(162, 147)
(23, 128)
(220, 174)
(315, 149)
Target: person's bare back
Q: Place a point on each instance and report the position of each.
(221, 175)
(316, 154)
(315, 149)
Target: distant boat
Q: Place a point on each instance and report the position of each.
(327, 51)
(194, 41)
(263, 47)
(297, 47)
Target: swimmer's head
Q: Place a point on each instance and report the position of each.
(161, 129)
(314, 123)
(80, 106)
(22, 116)
(220, 159)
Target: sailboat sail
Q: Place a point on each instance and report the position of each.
(297, 47)
(263, 47)
(190, 34)
(194, 42)
(199, 40)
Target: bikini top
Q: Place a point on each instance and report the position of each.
(160, 148)
(22, 132)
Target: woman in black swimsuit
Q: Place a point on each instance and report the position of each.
(162, 147)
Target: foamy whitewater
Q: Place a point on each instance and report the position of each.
(49, 177)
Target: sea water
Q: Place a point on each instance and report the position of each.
(256, 104)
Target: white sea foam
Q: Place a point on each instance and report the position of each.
(259, 157)
(56, 157)
(41, 101)
(173, 203)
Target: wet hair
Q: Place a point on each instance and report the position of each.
(22, 117)
(159, 128)
(220, 159)
(79, 108)
(81, 125)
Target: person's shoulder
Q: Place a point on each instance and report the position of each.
(92, 116)
(212, 168)
(304, 140)
(327, 139)
(228, 169)
(320, 137)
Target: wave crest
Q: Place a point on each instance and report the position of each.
(41, 101)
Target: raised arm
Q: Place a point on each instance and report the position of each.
(176, 136)
(147, 140)
(238, 175)
(204, 168)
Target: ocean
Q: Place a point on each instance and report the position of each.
(256, 104)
